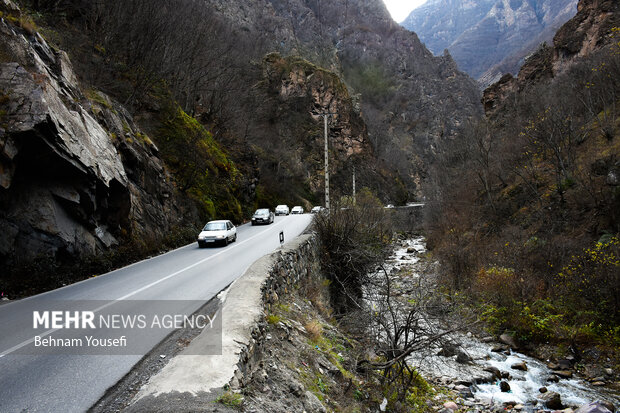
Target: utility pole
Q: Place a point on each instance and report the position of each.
(354, 201)
(325, 115)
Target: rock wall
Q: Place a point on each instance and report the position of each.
(290, 267)
(76, 174)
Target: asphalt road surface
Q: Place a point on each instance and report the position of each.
(33, 382)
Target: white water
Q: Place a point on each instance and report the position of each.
(525, 385)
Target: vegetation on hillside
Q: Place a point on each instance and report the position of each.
(525, 212)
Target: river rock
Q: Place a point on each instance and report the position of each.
(543, 390)
(553, 379)
(519, 366)
(411, 250)
(552, 400)
(594, 407)
(451, 406)
(509, 340)
(500, 348)
(504, 386)
(462, 357)
(564, 374)
(448, 350)
(494, 371)
(464, 391)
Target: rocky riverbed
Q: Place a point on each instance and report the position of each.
(487, 373)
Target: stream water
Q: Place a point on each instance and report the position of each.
(474, 376)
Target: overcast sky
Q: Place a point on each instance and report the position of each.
(400, 9)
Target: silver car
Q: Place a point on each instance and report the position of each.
(282, 210)
(263, 216)
(217, 232)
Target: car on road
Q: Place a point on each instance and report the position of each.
(263, 216)
(282, 210)
(217, 232)
(317, 209)
(297, 210)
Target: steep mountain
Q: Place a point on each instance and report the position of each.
(409, 100)
(440, 22)
(591, 30)
(491, 36)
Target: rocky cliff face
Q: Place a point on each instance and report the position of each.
(489, 37)
(592, 29)
(76, 174)
(440, 22)
(409, 99)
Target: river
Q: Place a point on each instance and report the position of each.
(471, 365)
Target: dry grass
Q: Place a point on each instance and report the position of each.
(314, 329)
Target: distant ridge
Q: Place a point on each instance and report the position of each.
(488, 37)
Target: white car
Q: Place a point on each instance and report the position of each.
(282, 210)
(217, 232)
(317, 209)
(297, 210)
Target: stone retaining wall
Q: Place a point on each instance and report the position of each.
(289, 266)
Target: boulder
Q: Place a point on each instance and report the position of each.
(504, 386)
(565, 364)
(564, 374)
(552, 400)
(463, 358)
(594, 407)
(464, 391)
(519, 366)
(494, 371)
(448, 350)
(509, 340)
(451, 406)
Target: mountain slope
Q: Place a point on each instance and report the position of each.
(490, 33)
(530, 197)
(409, 99)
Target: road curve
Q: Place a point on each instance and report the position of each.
(73, 383)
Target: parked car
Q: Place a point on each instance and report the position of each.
(263, 216)
(217, 232)
(297, 210)
(317, 209)
(282, 210)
